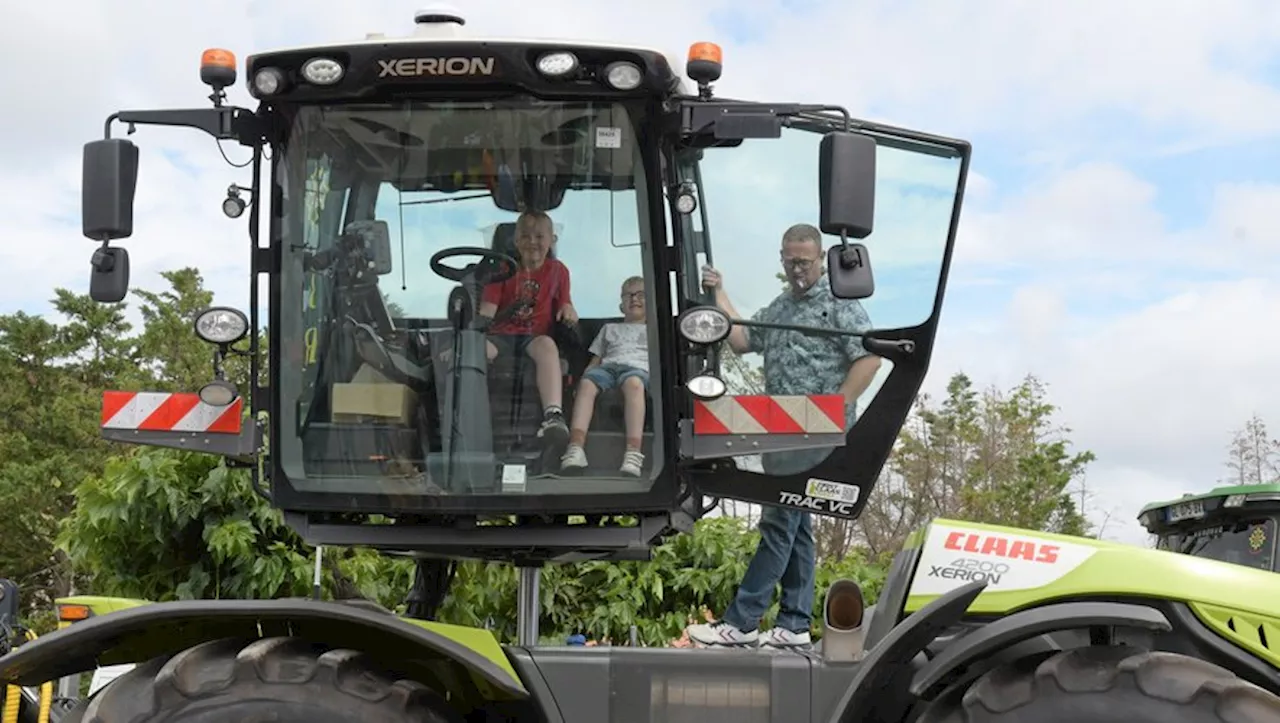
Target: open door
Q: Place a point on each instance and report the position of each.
(784, 433)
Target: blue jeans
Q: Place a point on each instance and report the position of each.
(608, 376)
(785, 554)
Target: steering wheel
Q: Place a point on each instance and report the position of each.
(496, 267)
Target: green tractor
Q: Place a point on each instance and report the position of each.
(392, 424)
(1235, 523)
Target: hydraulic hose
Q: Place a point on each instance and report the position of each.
(46, 701)
(12, 699)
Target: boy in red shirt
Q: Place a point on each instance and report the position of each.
(529, 303)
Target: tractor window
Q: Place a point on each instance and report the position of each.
(447, 379)
(761, 205)
(597, 237)
(1249, 542)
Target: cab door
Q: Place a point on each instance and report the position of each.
(815, 403)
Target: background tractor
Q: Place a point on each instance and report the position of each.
(1235, 523)
(374, 163)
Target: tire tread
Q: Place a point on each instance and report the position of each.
(1196, 690)
(282, 669)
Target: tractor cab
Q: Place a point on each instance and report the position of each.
(1235, 524)
(454, 230)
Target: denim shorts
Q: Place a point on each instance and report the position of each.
(608, 376)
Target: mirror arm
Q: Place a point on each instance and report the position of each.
(701, 117)
(224, 123)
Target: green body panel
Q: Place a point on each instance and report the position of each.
(1043, 567)
(1259, 634)
(478, 639)
(1224, 491)
(101, 605)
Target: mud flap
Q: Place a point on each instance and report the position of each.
(879, 690)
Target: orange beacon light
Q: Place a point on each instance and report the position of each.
(218, 68)
(704, 64)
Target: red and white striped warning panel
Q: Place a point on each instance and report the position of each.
(770, 414)
(169, 412)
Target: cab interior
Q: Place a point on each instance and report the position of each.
(407, 353)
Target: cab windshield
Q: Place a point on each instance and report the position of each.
(404, 376)
(1247, 542)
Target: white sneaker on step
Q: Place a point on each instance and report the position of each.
(785, 639)
(720, 634)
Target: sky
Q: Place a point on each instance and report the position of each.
(1118, 239)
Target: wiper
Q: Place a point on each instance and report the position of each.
(1196, 544)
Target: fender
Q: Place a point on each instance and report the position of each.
(1022, 626)
(140, 633)
(878, 691)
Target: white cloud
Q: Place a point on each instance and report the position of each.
(1150, 365)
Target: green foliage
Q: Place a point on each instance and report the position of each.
(603, 600)
(165, 524)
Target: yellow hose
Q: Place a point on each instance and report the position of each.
(46, 700)
(12, 699)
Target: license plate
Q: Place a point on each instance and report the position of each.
(1185, 511)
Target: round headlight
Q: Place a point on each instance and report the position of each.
(322, 71)
(218, 393)
(221, 325)
(704, 325)
(686, 203)
(623, 75)
(557, 64)
(267, 81)
(232, 206)
(706, 386)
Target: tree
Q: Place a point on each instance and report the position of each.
(1253, 456)
(162, 524)
(986, 456)
(52, 374)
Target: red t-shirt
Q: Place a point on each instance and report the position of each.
(548, 290)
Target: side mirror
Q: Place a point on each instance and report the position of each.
(849, 272)
(846, 184)
(109, 279)
(107, 188)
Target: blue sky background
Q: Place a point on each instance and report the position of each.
(1120, 238)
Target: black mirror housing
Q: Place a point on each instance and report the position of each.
(849, 272)
(109, 279)
(847, 184)
(110, 178)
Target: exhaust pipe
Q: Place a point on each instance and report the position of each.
(843, 614)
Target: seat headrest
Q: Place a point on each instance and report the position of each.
(504, 239)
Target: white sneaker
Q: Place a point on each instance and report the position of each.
(785, 639)
(574, 458)
(631, 463)
(721, 635)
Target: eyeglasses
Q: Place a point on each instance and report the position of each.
(802, 264)
(629, 295)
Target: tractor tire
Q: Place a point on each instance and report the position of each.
(283, 680)
(1109, 685)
